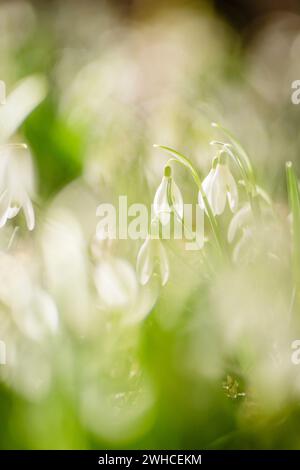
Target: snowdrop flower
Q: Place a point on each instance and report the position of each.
(16, 184)
(167, 198)
(151, 256)
(219, 186)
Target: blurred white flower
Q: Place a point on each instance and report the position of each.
(152, 255)
(16, 183)
(31, 308)
(219, 186)
(40, 318)
(168, 199)
(65, 266)
(119, 290)
(116, 283)
(254, 237)
(245, 250)
(27, 95)
(240, 219)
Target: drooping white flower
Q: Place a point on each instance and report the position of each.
(16, 184)
(152, 257)
(168, 198)
(219, 187)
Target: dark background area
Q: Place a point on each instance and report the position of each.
(240, 13)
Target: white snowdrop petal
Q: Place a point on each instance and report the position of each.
(12, 212)
(218, 191)
(116, 283)
(177, 199)
(232, 192)
(20, 102)
(146, 299)
(4, 207)
(48, 310)
(163, 263)
(200, 201)
(207, 187)
(40, 317)
(242, 251)
(29, 213)
(145, 262)
(160, 204)
(238, 220)
(164, 217)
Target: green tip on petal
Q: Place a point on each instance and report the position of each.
(167, 171)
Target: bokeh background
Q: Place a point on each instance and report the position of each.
(205, 361)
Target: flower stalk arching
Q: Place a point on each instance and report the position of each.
(243, 162)
(251, 187)
(220, 186)
(188, 164)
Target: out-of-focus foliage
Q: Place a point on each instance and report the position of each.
(205, 361)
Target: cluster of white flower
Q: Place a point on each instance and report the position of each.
(152, 255)
(217, 188)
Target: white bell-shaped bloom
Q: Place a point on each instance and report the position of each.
(168, 199)
(16, 184)
(219, 187)
(152, 257)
